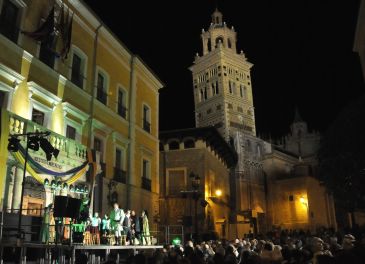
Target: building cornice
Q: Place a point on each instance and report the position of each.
(43, 93)
(74, 111)
(148, 75)
(10, 74)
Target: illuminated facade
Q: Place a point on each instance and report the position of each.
(83, 85)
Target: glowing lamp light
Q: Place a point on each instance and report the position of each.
(176, 241)
(218, 193)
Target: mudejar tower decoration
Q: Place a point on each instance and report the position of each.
(223, 99)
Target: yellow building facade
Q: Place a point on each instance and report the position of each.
(97, 96)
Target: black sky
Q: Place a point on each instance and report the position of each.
(301, 51)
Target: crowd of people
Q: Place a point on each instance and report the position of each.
(286, 247)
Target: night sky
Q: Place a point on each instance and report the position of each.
(301, 51)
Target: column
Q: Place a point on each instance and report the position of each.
(10, 190)
(17, 189)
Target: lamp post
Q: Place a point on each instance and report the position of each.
(34, 141)
(195, 183)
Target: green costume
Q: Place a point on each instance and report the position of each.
(145, 231)
(45, 226)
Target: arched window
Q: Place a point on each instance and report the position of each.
(230, 87)
(205, 93)
(216, 88)
(189, 144)
(201, 95)
(229, 43)
(209, 44)
(173, 145)
(213, 90)
(217, 40)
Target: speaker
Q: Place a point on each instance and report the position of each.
(60, 206)
(66, 207)
(73, 208)
(77, 237)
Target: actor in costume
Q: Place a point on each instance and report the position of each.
(94, 230)
(45, 225)
(136, 229)
(105, 225)
(127, 226)
(146, 240)
(116, 219)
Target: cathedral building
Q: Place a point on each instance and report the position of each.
(271, 185)
(64, 72)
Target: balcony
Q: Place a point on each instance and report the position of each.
(146, 126)
(68, 147)
(146, 184)
(101, 95)
(122, 111)
(120, 175)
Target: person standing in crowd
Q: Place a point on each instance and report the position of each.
(146, 240)
(116, 219)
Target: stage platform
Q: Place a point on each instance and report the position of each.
(73, 248)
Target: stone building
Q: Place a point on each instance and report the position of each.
(184, 154)
(63, 71)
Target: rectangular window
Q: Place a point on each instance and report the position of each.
(46, 53)
(101, 89)
(146, 175)
(176, 182)
(122, 111)
(71, 132)
(8, 21)
(119, 174)
(76, 75)
(146, 119)
(98, 146)
(145, 172)
(118, 159)
(38, 117)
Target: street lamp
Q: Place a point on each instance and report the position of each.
(34, 141)
(195, 183)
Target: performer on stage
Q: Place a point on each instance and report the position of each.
(105, 225)
(146, 240)
(127, 226)
(116, 219)
(45, 225)
(136, 229)
(95, 222)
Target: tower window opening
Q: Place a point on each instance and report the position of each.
(219, 40)
(209, 45)
(229, 43)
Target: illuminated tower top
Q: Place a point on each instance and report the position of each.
(222, 82)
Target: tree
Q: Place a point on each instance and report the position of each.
(342, 157)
